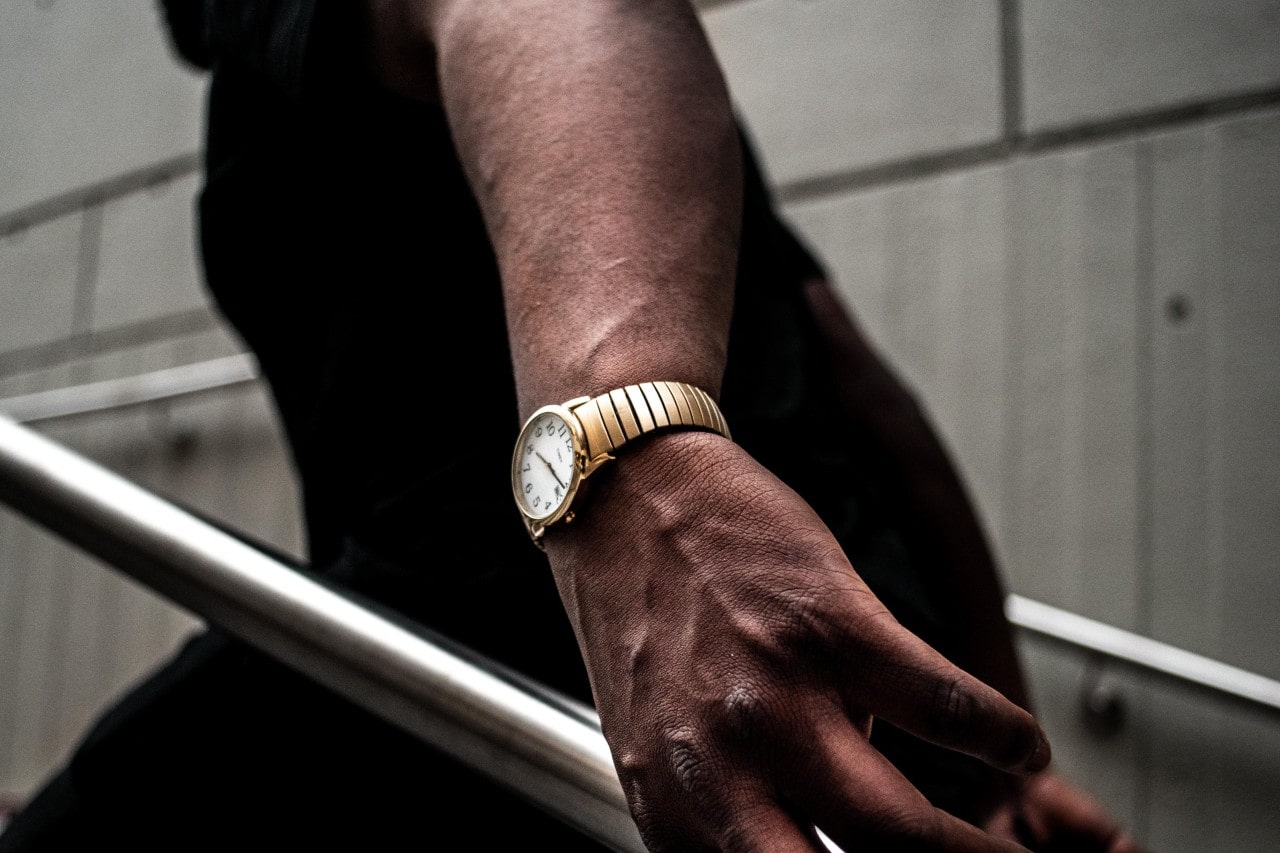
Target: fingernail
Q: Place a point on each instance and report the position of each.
(1040, 755)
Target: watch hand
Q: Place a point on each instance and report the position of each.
(552, 470)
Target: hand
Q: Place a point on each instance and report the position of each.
(1049, 814)
(737, 661)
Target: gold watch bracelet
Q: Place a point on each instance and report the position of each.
(612, 419)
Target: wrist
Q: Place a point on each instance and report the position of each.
(562, 445)
(654, 491)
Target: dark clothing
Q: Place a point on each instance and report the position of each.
(340, 238)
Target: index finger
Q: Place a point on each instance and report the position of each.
(899, 677)
(860, 801)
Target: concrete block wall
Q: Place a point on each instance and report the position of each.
(1058, 219)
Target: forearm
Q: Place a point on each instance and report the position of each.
(600, 142)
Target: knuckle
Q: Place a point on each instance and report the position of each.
(737, 839)
(653, 810)
(749, 823)
(654, 831)
(630, 765)
(953, 708)
(657, 836)
(743, 836)
(689, 763)
(802, 619)
(743, 714)
(907, 828)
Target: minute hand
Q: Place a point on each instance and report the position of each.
(552, 470)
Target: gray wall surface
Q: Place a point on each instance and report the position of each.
(1059, 218)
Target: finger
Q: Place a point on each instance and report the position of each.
(862, 802)
(1058, 816)
(766, 827)
(744, 819)
(710, 802)
(896, 675)
(1125, 844)
(1003, 823)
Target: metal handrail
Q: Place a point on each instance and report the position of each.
(544, 746)
(156, 386)
(1079, 633)
(1184, 668)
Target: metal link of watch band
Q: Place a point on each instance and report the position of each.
(612, 419)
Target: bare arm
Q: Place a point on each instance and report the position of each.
(599, 139)
(736, 657)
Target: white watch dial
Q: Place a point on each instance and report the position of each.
(543, 471)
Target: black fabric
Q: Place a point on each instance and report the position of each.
(339, 237)
(275, 40)
(187, 24)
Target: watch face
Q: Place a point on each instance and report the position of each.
(544, 472)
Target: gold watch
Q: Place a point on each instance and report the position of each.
(560, 446)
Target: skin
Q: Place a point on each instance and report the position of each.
(736, 658)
